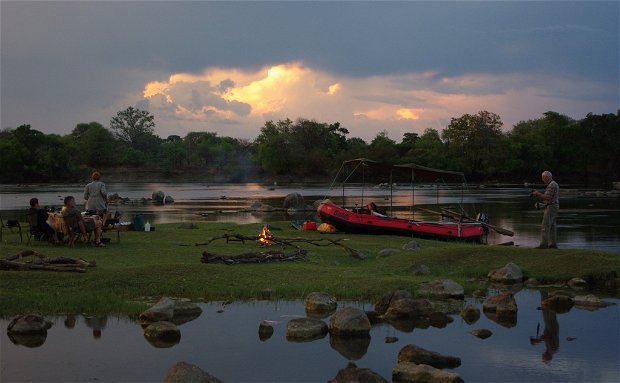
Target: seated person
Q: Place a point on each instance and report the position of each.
(39, 226)
(376, 210)
(84, 225)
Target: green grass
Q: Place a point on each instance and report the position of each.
(146, 266)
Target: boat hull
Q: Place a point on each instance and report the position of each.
(351, 222)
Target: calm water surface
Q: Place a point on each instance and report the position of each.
(587, 219)
(581, 346)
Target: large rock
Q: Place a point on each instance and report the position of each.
(163, 310)
(162, 334)
(352, 373)
(294, 201)
(577, 283)
(441, 289)
(384, 303)
(481, 333)
(349, 321)
(422, 373)
(412, 245)
(589, 301)
(183, 372)
(305, 329)
(265, 330)
(418, 355)
(408, 308)
(470, 314)
(508, 274)
(319, 302)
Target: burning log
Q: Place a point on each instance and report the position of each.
(42, 262)
(261, 257)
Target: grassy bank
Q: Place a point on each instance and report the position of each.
(146, 266)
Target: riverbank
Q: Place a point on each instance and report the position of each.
(147, 265)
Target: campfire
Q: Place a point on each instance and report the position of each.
(265, 238)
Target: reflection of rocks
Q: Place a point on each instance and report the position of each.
(589, 301)
(28, 330)
(508, 274)
(502, 309)
(558, 303)
(441, 289)
(183, 372)
(162, 334)
(418, 355)
(408, 308)
(352, 373)
(178, 311)
(409, 324)
(470, 314)
(320, 303)
(349, 321)
(481, 333)
(185, 311)
(439, 319)
(265, 330)
(422, 373)
(305, 329)
(351, 347)
(577, 284)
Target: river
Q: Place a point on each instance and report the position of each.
(588, 219)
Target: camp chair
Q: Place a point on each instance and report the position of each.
(11, 224)
(33, 225)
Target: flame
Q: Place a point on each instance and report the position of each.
(265, 238)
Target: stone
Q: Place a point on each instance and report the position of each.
(420, 270)
(294, 201)
(418, 355)
(441, 289)
(320, 302)
(470, 314)
(265, 330)
(349, 321)
(502, 309)
(28, 324)
(558, 303)
(387, 252)
(412, 245)
(351, 373)
(511, 273)
(305, 329)
(163, 310)
(589, 301)
(422, 373)
(577, 284)
(183, 372)
(162, 334)
(384, 303)
(185, 311)
(481, 333)
(408, 308)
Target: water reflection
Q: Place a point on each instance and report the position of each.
(218, 341)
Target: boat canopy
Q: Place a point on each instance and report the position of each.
(413, 171)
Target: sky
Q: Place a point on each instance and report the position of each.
(374, 66)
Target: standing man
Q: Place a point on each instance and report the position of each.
(551, 201)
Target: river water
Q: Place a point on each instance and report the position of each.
(577, 346)
(588, 218)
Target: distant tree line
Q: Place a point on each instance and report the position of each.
(586, 151)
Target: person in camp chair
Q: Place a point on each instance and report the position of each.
(37, 217)
(70, 213)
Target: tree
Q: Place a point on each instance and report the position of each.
(134, 127)
(383, 149)
(95, 145)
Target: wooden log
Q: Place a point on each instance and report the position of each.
(261, 257)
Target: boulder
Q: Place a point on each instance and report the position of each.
(163, 310)
(420, 270)
(441, 289)
(418, 355)
(305, 329)
(589, 301)
(408, 308)
(387, 252)
(412, 245)
(294, 201)
(185, 311)
(265, 330)
(481, 333)
(508, 274)
(319, 302)
(422, 373)
(183, 372)
(577, 284)
(162, 334)
(349, 321)
(384, 303)
(470, 314)
(352, 373)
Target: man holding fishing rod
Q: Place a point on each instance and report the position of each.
(551, 204)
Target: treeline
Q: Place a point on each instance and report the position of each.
(583, 151)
